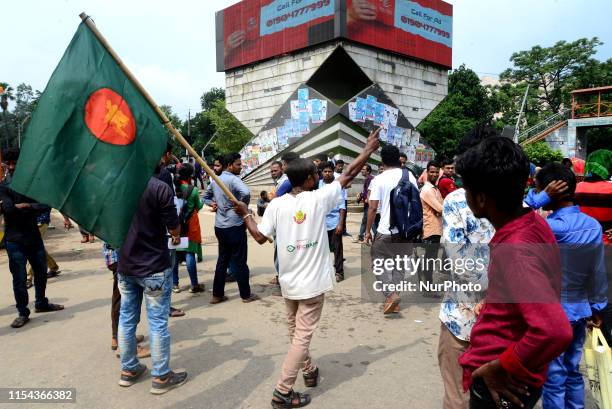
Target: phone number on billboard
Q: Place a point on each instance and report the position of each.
(295, 13)
(426, 27)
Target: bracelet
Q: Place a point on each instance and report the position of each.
(248, 215)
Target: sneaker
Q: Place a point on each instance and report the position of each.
(176, 289)
(20, 321)
(129, 378)
(164, 384)
(49, 308)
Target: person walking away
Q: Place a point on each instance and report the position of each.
(230, 231)
(521, 327)
(366, 172)
(190, 226)
(334, 224)
(432, 222)
(23, 243)
(145, 271)
(298, 222)
(380, 201)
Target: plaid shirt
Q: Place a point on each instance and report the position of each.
(110, 255)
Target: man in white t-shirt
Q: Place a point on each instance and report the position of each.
(297, 219)
(380, 196)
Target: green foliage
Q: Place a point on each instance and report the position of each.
(540, 153)
(550, 71)
(209, 98)
(230, 134)
(466, 105)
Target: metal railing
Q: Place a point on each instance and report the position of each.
(550, 122)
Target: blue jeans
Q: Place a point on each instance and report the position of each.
(364, 221)
(18, 255)
(156, 289)
(564, 387)
(192, 269)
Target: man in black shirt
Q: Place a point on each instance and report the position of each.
(145, 271)
(23, 243)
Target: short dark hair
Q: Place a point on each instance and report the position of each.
(298, 171)
(230, 158)
(263, 194)
(368, 168)
(403, 155)
(10, 154)
(389, 154)
(567, 162)
(186, 171)
(446, 161)
(557, 171)
(432, 163)
(327, 165)
(498, 168)
(339, 162)
(277, 162)
(322, 157)
(290, 157)
(475, 136)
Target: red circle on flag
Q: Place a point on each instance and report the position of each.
(109, 118)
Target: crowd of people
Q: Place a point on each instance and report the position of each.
(520, 341)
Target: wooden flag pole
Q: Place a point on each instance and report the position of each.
(87, 20)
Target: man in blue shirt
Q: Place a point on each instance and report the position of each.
(283, 184)
(584, 284)
(334, 222)
(230, 230)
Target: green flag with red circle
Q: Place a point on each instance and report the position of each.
(93, 142)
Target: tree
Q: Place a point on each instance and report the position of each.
(550, 70)
(466, 106)
(541, 154)
(230, 134)
(209, 97)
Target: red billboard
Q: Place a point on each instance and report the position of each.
(255, 30)
(416, 28)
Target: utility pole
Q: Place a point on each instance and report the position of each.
(518, 120)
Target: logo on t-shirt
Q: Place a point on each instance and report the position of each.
(299, 217)
(301, 245)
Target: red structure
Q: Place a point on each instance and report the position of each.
(592, 102)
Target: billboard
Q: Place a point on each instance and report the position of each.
(422, 29)
(255, 30)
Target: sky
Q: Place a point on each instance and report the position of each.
(170, 45)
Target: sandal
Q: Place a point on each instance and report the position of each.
(391, 304)
(20, 321)
(292, 399)
(217, 300)
(175, 312)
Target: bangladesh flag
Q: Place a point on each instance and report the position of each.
(92, 143)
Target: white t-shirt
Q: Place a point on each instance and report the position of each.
(380, 189)
(298, 222)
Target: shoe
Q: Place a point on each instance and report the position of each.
(290, 400)
(175, 312)
(311, 379)
(253, 297)
(49, 308)
(29, 284)
(230, 278)
(199, 288)
(391, 303)
(176, 289)
(217, 300)
(20, 321)
(164, 384)
(51, 274)
(129, 378)
(141, 352)
(339, 277)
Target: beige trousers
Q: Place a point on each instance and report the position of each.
(51, 264)
(450, 348)
(302, 317)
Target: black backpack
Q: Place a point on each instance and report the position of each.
(184, 216)
(406, 213)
